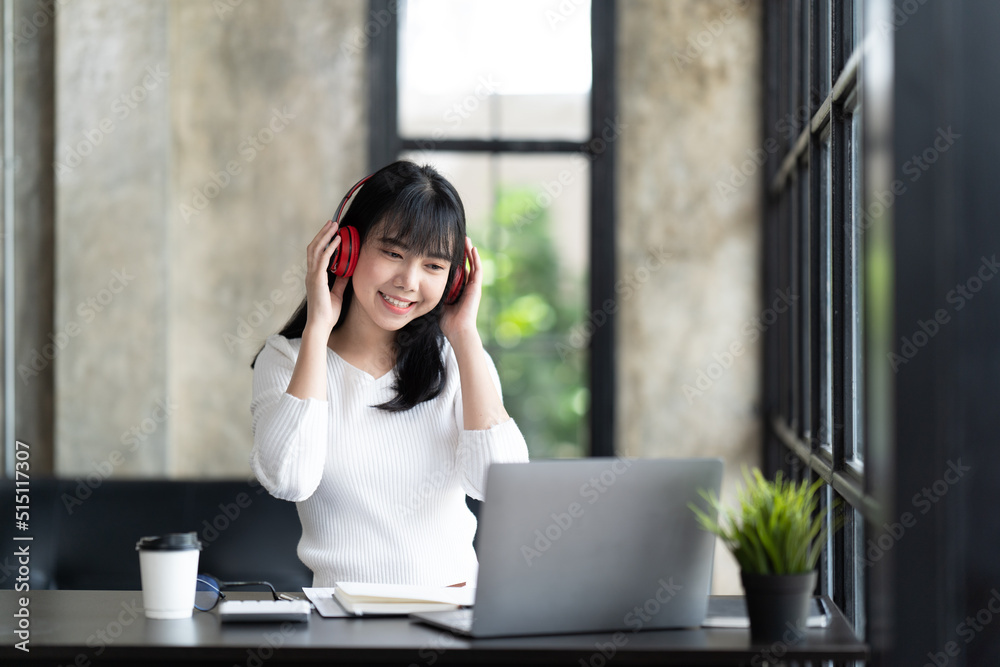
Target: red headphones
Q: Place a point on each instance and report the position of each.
(344, 263)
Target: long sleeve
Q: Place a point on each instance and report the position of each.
(477, 449)
(380, 494)
(290, 434)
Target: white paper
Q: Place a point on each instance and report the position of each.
(463, 596)
(326, 605)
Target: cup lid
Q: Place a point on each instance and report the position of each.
(169, 542)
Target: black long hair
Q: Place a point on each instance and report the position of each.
(418, 206)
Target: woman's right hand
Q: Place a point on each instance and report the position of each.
(323, 310)
(323, 303)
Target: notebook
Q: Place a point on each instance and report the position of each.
(360, 598)
(590, 545)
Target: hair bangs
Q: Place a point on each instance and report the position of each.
(425, 223)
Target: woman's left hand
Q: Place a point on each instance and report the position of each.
(460, 317)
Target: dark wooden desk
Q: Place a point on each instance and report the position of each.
(83, 628)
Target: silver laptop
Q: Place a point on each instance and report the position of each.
(589, 545)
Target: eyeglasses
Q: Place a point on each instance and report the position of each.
(208, 591)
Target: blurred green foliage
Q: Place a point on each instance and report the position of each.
(529, 305)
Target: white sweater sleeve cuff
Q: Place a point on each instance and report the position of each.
(502, 443)
(290, 446)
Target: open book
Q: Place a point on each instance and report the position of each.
(360, 598)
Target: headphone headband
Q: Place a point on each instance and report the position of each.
(347, 197)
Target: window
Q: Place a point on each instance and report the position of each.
(814, 366)
(507, 101)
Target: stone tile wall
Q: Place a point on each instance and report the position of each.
(688, 367)
(203, 144)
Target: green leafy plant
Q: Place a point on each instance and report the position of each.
(775, 529)
(532, 303)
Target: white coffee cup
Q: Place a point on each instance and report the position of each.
(168, 565)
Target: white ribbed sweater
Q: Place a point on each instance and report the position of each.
(381, 495)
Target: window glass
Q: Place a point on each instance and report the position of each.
(516, 69)
(802, 258)
(526, 214)
(856, 612)
(824, 433)
(857, 26)
(842, 563)
(855, 440)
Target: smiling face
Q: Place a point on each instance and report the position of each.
(395, 283)
(412, 228)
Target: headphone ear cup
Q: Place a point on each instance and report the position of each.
(345, 257)
(457, 284)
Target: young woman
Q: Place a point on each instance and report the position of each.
(377, 409)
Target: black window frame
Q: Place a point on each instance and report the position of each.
(385, 144)
(812, 379)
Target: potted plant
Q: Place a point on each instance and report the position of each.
(776, 535)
